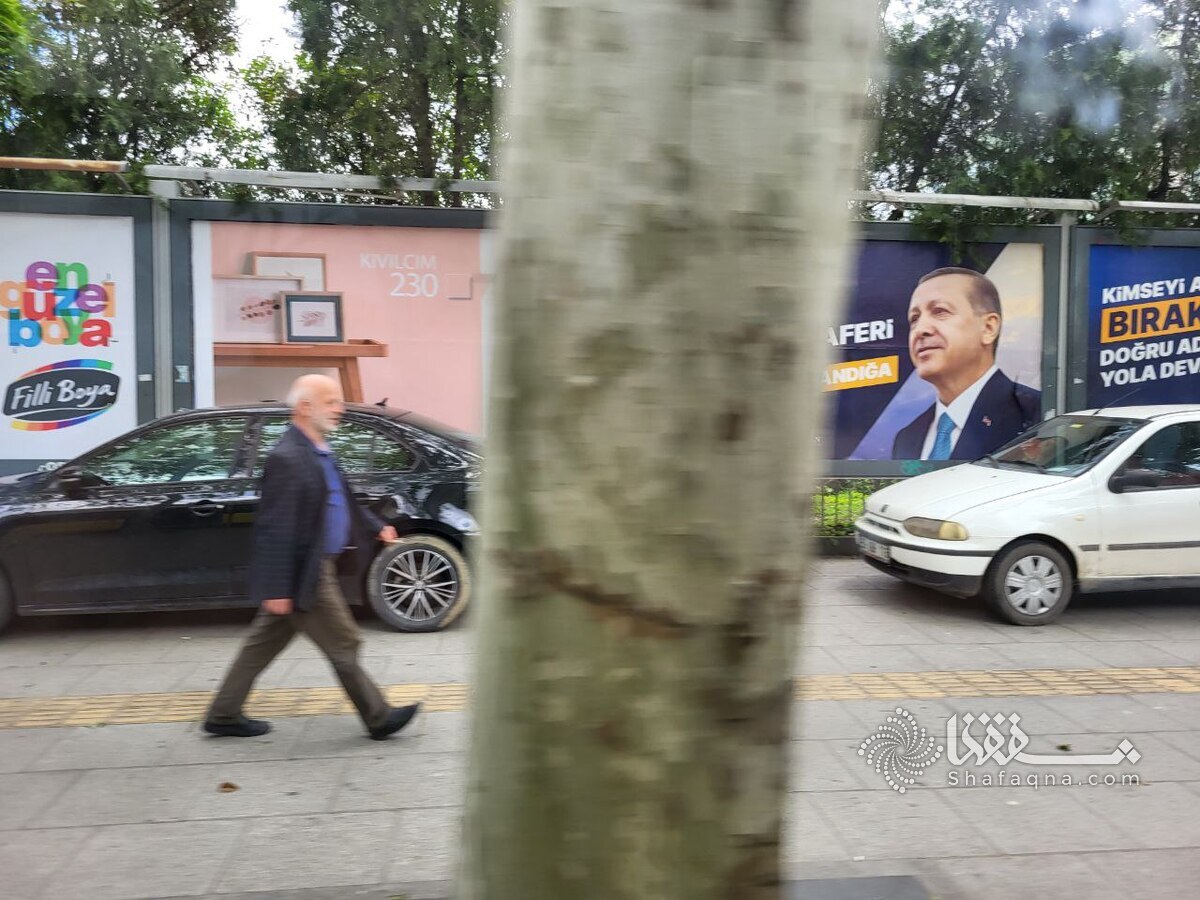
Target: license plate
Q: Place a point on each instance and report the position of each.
(874, 549)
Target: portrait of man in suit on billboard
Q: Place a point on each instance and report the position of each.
(954, 325)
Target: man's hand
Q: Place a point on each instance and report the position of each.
(280, 606)
(388, 534)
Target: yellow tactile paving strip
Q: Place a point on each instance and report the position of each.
(147, 709)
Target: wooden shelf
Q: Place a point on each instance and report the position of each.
(342, 356)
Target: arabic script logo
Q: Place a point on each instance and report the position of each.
(900, 750)
(993, 745)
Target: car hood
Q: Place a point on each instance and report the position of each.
(950, 492)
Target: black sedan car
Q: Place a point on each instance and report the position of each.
(160, 518)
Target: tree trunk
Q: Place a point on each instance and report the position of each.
(672, 246)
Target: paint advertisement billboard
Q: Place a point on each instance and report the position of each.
(1143, 325)
(68, 371)
(945, 368)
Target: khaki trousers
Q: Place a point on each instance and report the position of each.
(330, 626)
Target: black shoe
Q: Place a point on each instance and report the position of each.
(396, 720)
(243, 727)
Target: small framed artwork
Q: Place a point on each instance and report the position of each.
(246, 308)
(312, 317)
(308, 267)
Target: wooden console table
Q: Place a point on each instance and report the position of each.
(343, 357)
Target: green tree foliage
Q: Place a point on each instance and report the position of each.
(1090, 100)
(385, 88)
(128, 80)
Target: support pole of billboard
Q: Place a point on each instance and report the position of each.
(163, 192)
(1066, 224)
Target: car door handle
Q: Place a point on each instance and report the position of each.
(202, 507)
(364, 497)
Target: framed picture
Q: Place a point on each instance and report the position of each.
(312, 317)
(308, 267)
(246, 308)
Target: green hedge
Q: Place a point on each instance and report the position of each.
(839, 502)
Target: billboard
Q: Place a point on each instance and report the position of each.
(68, 371)
(1143, 325)
(394, 312)
(934, 371)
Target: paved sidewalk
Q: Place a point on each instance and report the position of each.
(102, 810)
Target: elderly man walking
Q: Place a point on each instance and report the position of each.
(307, 518)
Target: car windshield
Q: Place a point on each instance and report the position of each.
(1064, 445)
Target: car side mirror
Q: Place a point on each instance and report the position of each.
(1132, 479)
(71, 482)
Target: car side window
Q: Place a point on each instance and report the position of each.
(204, 450)
(1167, 459)
(359, 448)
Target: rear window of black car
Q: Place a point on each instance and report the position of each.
(360, 448)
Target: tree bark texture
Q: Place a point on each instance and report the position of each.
(672, 246)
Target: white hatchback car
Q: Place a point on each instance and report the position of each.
(1094, 500)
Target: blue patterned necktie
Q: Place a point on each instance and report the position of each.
(941, 443)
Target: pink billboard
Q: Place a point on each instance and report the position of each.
(396, 313)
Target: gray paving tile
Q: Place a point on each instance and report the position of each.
(965, 632)
(828, 636)
(130, 862)
(819, 720)
(122, 796)
(871, 635)
(337, 736)
(331, 850)
(1047, 656)
(1157, 816)
(807, 835)
(877, 659)
(1136, 654)
(1049, 820)
(1111, 713)
(273, 788)
(20, 748)
(402, 780)
(426, 845)
(1006, 878)
(951, 657)
(816, 661)
(1186, 650)
(442, 668)
(191, 745)
(30, 859)
(828, 766)
(141, 678)
(111, 746)
(883, 824)
(127, 649)
(1151, 874)
(26, 794)
(41, 681)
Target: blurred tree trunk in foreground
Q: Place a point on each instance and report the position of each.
(672, 246)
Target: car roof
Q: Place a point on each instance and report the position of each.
(1141, 412)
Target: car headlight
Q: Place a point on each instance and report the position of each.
(936, 529)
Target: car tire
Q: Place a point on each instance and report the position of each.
(404, 600)
(6, 601)
(1030, 583)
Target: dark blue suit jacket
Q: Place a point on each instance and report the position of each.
(1003, 410)
(288, 526)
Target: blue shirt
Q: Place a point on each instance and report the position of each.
(337, 506)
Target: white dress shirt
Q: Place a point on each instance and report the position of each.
(959, 410)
